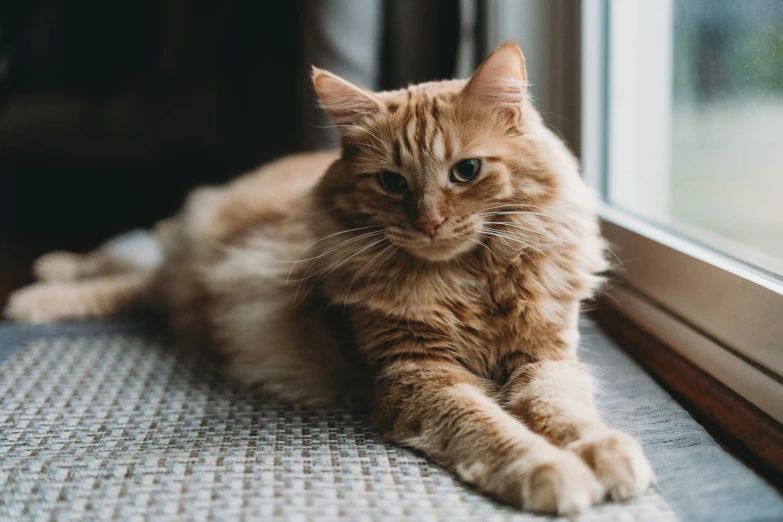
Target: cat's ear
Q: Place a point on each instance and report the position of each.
(501, 81)
(346, 103)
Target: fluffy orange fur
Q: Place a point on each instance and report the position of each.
(447, 305)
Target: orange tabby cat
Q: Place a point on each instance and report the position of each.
(434, 272)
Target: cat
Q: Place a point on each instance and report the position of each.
(431, 270)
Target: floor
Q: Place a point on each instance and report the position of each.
(109, 420)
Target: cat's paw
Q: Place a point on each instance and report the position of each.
(561, 485)
(57, 266)
(618, 462)
(37, 303)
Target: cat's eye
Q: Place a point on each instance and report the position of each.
(391, 182)
(465, 170)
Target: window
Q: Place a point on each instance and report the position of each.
(682, 134)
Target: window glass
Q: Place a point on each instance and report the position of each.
(696, 120)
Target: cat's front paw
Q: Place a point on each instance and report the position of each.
(618, 462)
(560, 484)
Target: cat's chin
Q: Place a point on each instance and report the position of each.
(439, 251)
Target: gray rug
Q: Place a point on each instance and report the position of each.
(105, 421)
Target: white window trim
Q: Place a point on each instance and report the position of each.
(640, 97)
(723, 315)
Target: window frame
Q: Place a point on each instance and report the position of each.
(716, 311)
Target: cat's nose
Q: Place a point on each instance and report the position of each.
(430, 225)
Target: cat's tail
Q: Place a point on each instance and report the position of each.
(115, 279)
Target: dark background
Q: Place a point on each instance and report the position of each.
(111, 111)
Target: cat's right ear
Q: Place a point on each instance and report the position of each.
(346, 103)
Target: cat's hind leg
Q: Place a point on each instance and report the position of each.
(47, 302)
(555, 399)
(132, 252)
(61, 266)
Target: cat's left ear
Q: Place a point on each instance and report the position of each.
(346, 103)
(500, 81)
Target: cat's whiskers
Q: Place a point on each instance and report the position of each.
(327, 237)
(489, 232)
(323, 273)
(609, 248)
(345, 259)
(523, 213)
(307, 275)
(388, 249)
(553, 217)
(557, 218)
(526, 205)
(333, 248)
(525, 244)
(541, 212)
(553, 238)
(483, 245)
(317, 272)
(511, 234)
(363, 268)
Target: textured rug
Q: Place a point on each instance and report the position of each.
(106, 421)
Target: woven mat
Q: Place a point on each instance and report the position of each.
(104, 422)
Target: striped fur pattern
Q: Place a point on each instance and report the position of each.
(461, 337)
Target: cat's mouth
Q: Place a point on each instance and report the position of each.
(442, 246)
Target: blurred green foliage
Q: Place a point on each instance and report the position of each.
(757, 61)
